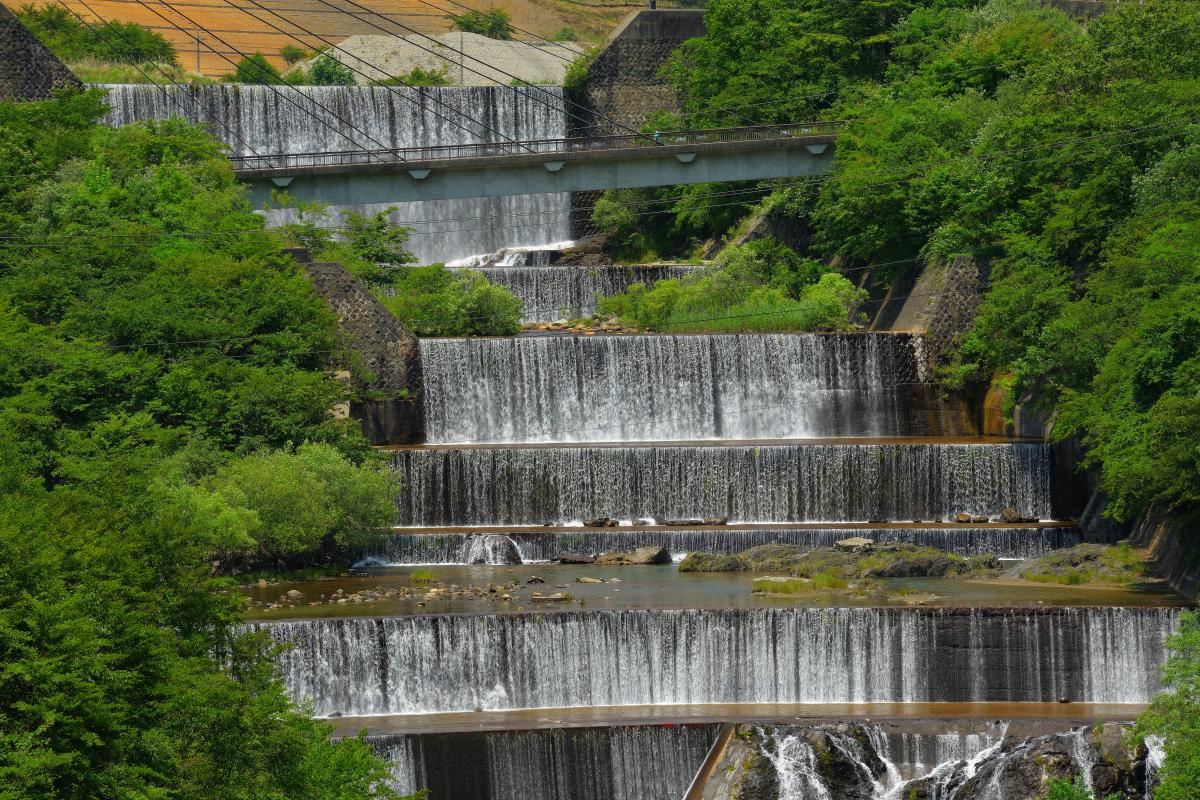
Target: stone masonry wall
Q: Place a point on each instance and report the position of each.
(28, 71)
(622, 83)
(386, 349)
(943, 304)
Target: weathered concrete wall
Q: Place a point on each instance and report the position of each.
(385, 350)
(28, 71)
(943, 304)
(623, 83)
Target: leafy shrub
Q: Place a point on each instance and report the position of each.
(493, 23)
(760, 286)
(255, 69)
(294, 53)
(328, 71)
(435, 301)
(71, 40)
(419, 76)
(566, 34)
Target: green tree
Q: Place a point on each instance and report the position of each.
(493, 23)
(72, 40)
(255, 69)
(435, 301)
(293, 53)
(1174, 715)
(328, 71)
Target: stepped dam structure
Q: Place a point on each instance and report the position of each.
(412, 665)
(744, 482)
(260, 120)
(613, 763)
(551, 292)
(687, 387)
(536, 545)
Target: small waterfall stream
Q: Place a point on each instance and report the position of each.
(259, 119)
(413, 665)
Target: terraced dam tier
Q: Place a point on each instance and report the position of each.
(470, 545)
(460, 662)
(745, 482)
(552, 292)
(682, 388)
(619, 763)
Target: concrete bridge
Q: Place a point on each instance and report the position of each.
(495, 169)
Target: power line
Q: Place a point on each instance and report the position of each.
(233, 134)
(390, 89)
(269, 76)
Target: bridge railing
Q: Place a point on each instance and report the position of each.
(566, 145)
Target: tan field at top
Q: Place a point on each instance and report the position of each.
(212, 35)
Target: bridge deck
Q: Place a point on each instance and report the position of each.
(495, 169)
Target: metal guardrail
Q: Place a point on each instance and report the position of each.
(563, 146)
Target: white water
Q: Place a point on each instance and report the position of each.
(267, 121)
(746, 483)
(613, 763)
(1016, 543)
(658, 388)
(431, 664)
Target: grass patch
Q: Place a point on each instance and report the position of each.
(423, 576)
(780, 585)
(1118, 564)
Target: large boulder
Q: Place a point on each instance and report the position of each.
(712, 562)
(855, 544)
(639, 555)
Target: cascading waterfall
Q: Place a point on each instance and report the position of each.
(614, 763)
(437, 548)
(267, 121)
(746, 483)
(459, 662)
(862, 760)
(662, 387)
(562, 292)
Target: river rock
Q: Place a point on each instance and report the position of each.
(1012, 516)
(574, 558)
(600, 522)
(549, 598)
(981, 520)
(586, 579)
(716, 520)
(679, 523)
(294, 595)
(639, 555)
(962, 519)
(712, 562)
(855, 544)
(535, 579)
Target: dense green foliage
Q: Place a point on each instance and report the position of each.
(255, 69)
(760, 286)
(164, 409)
(431, 300)
(328, 71)
(435, 301)
(1174, 716)
(1064, 789)
(72, 40)
(493, 23)
(1067, 159)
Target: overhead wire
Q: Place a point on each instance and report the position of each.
(269, 76)
(392, 90)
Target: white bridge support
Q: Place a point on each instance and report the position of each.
(385, 179)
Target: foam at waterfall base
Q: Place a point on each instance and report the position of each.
(412, 665)
(402, 547)
(447, 487)
(680, 388)
(609, 763)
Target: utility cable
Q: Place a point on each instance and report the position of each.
(390, 89)
(565, 101)
(268, 75)
(233, 134)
